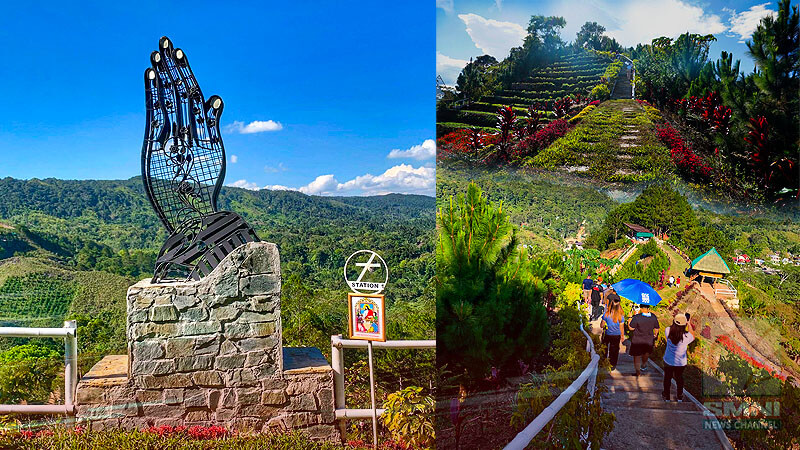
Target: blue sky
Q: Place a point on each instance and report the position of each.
(345, 86)
(467, 28)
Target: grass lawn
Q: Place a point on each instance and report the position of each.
(615, 142)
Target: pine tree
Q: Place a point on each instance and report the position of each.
(489, 310)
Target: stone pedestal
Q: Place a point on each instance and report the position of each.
(209, 352)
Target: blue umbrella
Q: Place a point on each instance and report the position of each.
(637, 291)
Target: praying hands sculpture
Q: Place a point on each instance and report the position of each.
(183, 168)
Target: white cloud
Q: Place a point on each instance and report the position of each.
(446, 5)
(322, 185)
(745, 22)
(448, 68)
(234, 159)
(401, 179)
(278, 187)
(256, 126)
(426, 150)
(643, 21)
(244, 184)
(273, 169)
(493, 37)
(498, 4)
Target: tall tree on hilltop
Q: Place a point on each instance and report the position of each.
(774, 47)
(589, 35)
(476, 78)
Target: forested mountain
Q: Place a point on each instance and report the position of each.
(70, 248)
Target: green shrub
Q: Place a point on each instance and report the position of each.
(27, 373)
(59, 438)
(600, 92)
(577, 118)
(409, 417)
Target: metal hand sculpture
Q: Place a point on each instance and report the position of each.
(183, 168)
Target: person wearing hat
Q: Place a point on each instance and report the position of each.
(645, 329)
(679, 336)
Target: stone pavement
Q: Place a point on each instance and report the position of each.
(643, 419)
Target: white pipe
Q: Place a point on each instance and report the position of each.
(372, 398)
(36, 332)
(37, 409)
(526, 436)
(70, 334)
(70, 361)
(357, 413)
(337, 341)
(337, 362)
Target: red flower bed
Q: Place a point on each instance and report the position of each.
(682, 155)
(734, 348)
(709, 109)
(594, 103)
(461, 143)
(541, 139)
(196, 432)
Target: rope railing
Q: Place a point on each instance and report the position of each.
(588, 376)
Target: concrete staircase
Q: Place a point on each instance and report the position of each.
(622, 90)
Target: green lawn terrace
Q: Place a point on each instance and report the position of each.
(576, 73)
(614, 142)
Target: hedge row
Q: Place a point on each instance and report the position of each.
(443, 128)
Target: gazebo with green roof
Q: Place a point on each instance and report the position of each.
(710, 264)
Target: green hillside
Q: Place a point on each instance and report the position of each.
(70, 249)
(546, 210)
(574, 74)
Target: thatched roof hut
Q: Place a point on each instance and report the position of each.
(710, 264)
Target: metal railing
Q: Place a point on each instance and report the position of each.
(337, 361)
(588, 376)
(70, 334)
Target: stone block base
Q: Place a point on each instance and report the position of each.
(300, 398)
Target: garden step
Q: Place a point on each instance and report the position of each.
(630, 137)
(626, 145)
(652, 404)
(577, 169)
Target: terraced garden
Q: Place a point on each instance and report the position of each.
(574, 74)
(616, 141)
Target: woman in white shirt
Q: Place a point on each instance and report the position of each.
(679, 336)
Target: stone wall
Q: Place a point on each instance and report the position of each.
(209, 352)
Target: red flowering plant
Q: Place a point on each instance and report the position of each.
(464, 144)
(684, 158)
(758, 158)
(197, 432)
(562, 106)
(531, 145)
(506, 121)
(771, 175)
(709, 111)
(529, 124)
(733, 347)
(594, 103)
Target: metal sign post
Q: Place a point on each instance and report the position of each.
(372, 398)
(366, 312)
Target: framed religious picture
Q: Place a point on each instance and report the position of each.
(366, 316)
